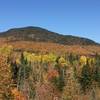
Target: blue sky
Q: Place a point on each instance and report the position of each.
(70, 17)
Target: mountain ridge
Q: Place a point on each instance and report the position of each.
(39, 34)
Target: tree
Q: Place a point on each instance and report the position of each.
(86, 78)
(60, 66)
(96, 70)
(14, 71)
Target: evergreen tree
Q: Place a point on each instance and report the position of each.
(86, 78)
(96, 70)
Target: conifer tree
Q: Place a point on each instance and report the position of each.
(86, 78)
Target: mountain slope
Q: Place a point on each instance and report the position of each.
(43, 35)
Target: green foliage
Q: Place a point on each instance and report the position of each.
(14, 70)
(96, 70)
(23, 60)
(42, 35)
(32, 91)
(33, 69)
(60, 81)
(24, 72)
(86, 78)
(72, 58)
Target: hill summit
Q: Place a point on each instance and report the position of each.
(42, 35)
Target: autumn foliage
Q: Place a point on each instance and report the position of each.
(27, 71)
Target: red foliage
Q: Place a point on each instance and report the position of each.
(52, 74)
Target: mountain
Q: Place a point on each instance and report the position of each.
(42, 35)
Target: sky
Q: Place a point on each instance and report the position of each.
(69, 17)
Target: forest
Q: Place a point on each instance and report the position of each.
(28, 75)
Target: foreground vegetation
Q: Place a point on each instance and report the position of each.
(48, 76)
